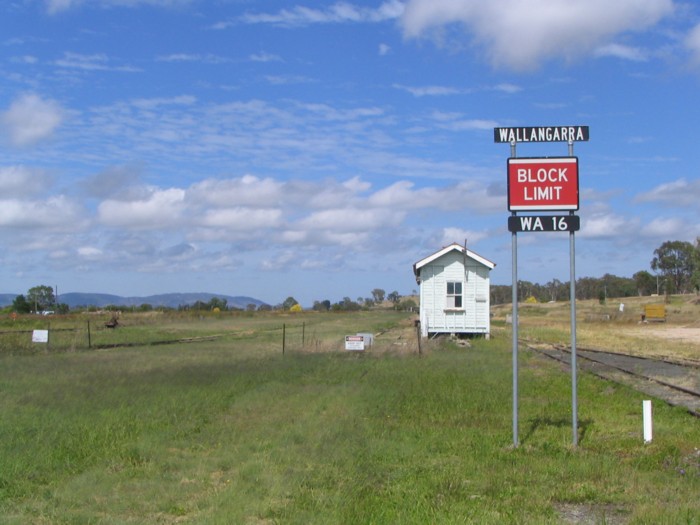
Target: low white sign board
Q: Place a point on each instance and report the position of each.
(354, 342)
(40, 336)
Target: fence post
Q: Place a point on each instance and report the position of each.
(89, 338)
(418, 336)
(303, 334)
(284, 336)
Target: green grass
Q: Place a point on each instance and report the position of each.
(231, 431)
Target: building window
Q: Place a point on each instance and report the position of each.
(454, 295)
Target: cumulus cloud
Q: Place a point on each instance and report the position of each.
(520, 34)
(163, 209)
(20, 181)
(31, 119)
(666, 228)
(459, 235)
(676, 193)
(352, 220)
(248, 190)
(464, 195)
(57, 213)
(607, 226)
(244, 219)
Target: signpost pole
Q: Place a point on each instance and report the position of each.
(574, 383)
(572, 279)
(515, 337)
(515, 323)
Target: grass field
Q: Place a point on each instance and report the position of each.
(230, 430)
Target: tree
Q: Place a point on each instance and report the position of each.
(408, 305)
(217, 302)
(674, 259)
(695, 278)
(322, 306)
(289, 302)
(378, 295)
(394, 297)
(41, 298)
(645, 282)
(20, 305)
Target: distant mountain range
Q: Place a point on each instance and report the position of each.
(168, 300)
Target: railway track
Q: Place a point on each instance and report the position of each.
(676, 382)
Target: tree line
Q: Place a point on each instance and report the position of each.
(677, 270)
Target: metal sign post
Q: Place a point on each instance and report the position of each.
(514, 294)
(543, 184)
(572, 290)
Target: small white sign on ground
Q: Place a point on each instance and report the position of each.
(355, 342)
(40, 336)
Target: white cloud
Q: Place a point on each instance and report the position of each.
(468, 195)
(340, 12)
(244, 219)
(519, 34)
(265, 57)
(58, 6)
(193, 57)
(285, 80)
(357, 185)
(95, 62)
(432, 91)
(90, 252)
(162, 210)
(57, 213)
(620, 51)
(692, 43)
(384, 49)
(244, 191)
(665, 228)
(458, 235)
(25, 59)
(674, 194)
(456, 122)
(31, 119)
(508, 88)
(19, 181)
(352, 220)
(607, 226)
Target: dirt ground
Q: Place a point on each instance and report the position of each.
(682, 334)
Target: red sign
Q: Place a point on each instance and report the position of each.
(542, 184)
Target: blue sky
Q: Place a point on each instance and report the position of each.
(319, 149)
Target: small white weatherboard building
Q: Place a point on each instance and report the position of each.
(454, 292)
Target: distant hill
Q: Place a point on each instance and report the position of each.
(168, 300)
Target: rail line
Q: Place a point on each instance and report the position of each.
(675, 381)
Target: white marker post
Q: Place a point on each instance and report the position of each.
(646, 413)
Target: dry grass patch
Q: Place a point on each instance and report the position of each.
(610, 327)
